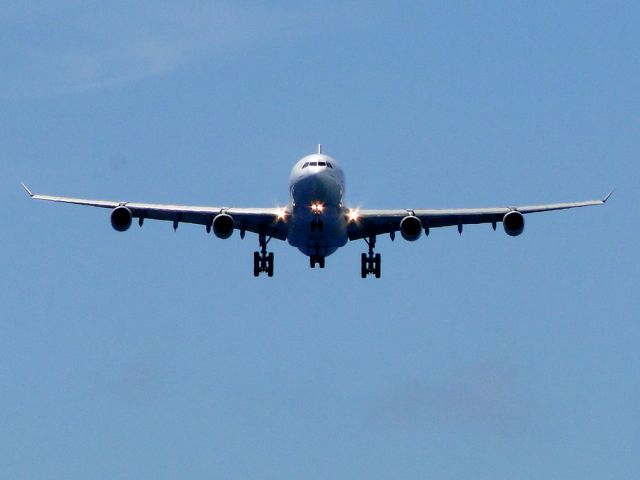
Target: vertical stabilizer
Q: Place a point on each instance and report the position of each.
(319, 148)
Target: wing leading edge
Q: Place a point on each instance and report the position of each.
(377, 222)
(267, 221)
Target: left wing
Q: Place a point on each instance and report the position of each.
(265, 221)
(376, 222)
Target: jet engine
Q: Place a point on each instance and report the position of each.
(411, 228)
(223, 225)
(513, 223)
(121, 219)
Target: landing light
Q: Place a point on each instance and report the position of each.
(282, 214)
(317, 207)
(353, 215)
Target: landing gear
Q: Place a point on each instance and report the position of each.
(263, 261)
(370, 263)
(319, 259)
(317, 225)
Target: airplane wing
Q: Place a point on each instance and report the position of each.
(267, 221)
(376, 222)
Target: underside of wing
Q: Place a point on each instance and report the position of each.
(410, 222)
(270, 222)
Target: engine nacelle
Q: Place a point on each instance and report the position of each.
(121, 219)
(411, 228)
(223, 225)
(513, 223)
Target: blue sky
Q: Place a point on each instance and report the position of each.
(155, 354)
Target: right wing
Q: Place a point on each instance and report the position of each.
(264, 221)
(377, 222)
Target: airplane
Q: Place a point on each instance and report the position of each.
(316, 220)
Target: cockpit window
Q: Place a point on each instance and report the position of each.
(317, 164)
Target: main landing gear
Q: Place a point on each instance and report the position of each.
(263, 261)
(370, 263)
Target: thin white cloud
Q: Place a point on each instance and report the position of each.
(485, 394)
(81, 46)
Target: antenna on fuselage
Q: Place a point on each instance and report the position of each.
(319, 148)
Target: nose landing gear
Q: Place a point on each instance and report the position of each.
(319, 259)
(317, 225)
(263, 260)
(370, 263)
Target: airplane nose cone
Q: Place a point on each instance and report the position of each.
(317, 188)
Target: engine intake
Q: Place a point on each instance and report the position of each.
(411, 228)
(223, 225)
(513, 223)
(121, 219)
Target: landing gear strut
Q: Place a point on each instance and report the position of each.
(317, 224)
(370, 263)
(319, 259)
(263, 261)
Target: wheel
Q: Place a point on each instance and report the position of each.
(312, 261)
(363, 266)
(377, 267)
(321, 261)
(256, 264)
(270, 264)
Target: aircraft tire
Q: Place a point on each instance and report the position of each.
(256, 264)
(270, 265)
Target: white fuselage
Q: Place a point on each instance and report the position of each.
(317, 223)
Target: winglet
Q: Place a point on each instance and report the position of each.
(29, 192)
(604, 200)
